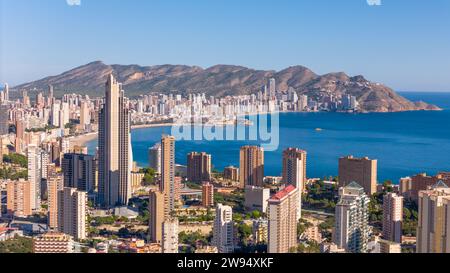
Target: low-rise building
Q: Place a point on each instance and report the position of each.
(53, 243)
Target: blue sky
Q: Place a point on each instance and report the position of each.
(403, 43)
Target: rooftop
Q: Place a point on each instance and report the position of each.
(283, 193)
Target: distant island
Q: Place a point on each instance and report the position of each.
(225, 80)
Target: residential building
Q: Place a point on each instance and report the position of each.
(389, 247)
(360, 170)
(207, 194)
(79, 171)
(251, 170)
(157, 216)
(352, 217)
(72, 213)
(18, 198)
(154, 157)
(434, 220)
(34, 176)
(170, 236)
(283, 208)
(114, 147)
(231, 173)
(223, 229)
(55, 185)
(53, 243)
(256, 198)
(392, 217)
(167, 185)
(198, 167)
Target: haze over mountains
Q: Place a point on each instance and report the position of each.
(223, 80)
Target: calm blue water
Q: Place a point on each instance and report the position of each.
(404, 143)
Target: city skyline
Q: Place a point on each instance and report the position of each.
(226, 160)
(290, 33)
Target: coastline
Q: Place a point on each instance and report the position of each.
(82, 140)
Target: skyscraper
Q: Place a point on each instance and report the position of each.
(115, 158)
(72, 213)
(223, 229)
(54, 186)
(294, 171)
(157, 216)
(434, 220)
(154, 157)
(34, 175)
(272, 87)
(167, 185)
(352, 217)
(85, 115)
(392, 217)
(79, 171)
(283, 208)
(251, 170)
(198, 167)
(360, 170)
(294, 167)
(6, 92)
(170, 236)
(4, 119)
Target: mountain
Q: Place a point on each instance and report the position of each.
(223, 80)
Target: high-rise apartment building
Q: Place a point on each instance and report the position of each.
(223, 229)
(157, 216)
(114, 147)
(392, 217)
(72, 213)
(251, 170)
(198, 167)
(434, 220)
(55, 184)
(154, 157)
(294, 168)
(207, 194)
(85, 114)
(18, 198)
(170, 236)
(79, 171)
(34, 176)
(167, 185)
(272, 87)
(283, 208)
(4, 119)
(231, 173)
(360, 170)
(352, 217)
(294, 171)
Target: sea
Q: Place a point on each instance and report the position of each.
(404, 144)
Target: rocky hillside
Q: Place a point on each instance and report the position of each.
(223, 80)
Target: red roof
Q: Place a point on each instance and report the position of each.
(283, 193)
